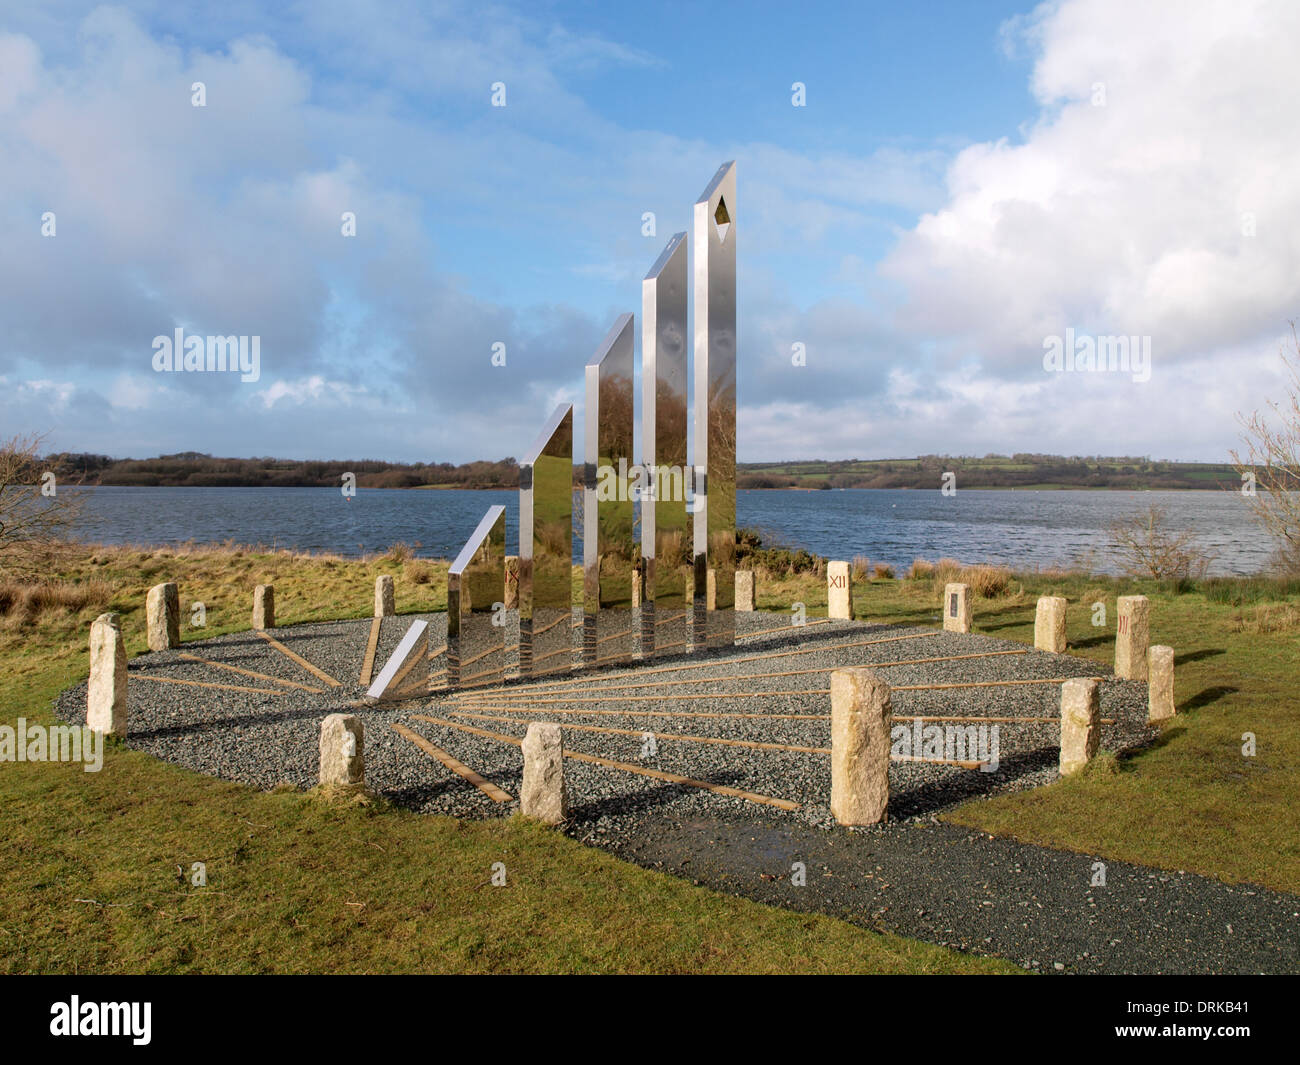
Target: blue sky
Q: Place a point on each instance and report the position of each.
(953, 195)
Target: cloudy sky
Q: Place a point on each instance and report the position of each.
(964, 182)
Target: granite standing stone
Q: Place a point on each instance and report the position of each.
(1160, 683)
(264, 606)
(1132, 637)
(163, 617)
(957, 610)
(1080, 724)
(861, 719)
(385, 597)
(839, 591)
(1049, 624)
(342, 752)
(106, 694)
(542, 795)
(745, 584)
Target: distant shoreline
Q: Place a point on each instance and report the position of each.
(742, 488)
(1022, 471)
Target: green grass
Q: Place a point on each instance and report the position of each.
(92, 866)
(1193, 801)
(300, 885)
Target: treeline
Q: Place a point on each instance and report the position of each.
(192, 469)
(1022, 470)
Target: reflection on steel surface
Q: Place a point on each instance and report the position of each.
(406, 674)
(714, 236)
(546, 549)
(476, 635)
(665, 527)
(609, 544)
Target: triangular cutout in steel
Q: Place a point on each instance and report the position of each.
(722, 220)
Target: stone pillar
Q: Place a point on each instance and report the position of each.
(957, 609)
(1049, 624)
(511, 600)
(385, 598)
(542, 795)
(342, 752)
(1132, 636)
(839, 591)
(745, 587)
(264, 606)
(106, 695)
(861, 719)
(637, 583)
(711, 590)
(163, 617)
(1080, 724)
(1160, 683)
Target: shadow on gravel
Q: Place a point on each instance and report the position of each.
(644, 801)
(416, 797)
(217, 724)
(640, 802)
(942, 794)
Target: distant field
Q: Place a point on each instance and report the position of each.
(992, 471)
(192, 469)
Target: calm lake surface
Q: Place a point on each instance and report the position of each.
(1024, 529)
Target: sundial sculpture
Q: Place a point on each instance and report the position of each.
(688, 512)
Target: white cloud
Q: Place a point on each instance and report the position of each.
(315, 390)
(1125, 218)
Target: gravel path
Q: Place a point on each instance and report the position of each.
(991, 896)
(1032, 905)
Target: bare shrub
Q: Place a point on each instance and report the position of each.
(921, 570)
(884, 572)
(1094, 594)
(946, 570)
(417, 571)
(26, 601)
(1271, 462)
(861, 568)
(34, 527)
(1146, 547)
(986, 581)
(1269, 618)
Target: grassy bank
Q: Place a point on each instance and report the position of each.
(94, 867)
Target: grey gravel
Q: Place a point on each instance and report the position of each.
(271, 739)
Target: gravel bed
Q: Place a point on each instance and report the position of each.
(268, 738)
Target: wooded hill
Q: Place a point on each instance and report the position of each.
(194, 469)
